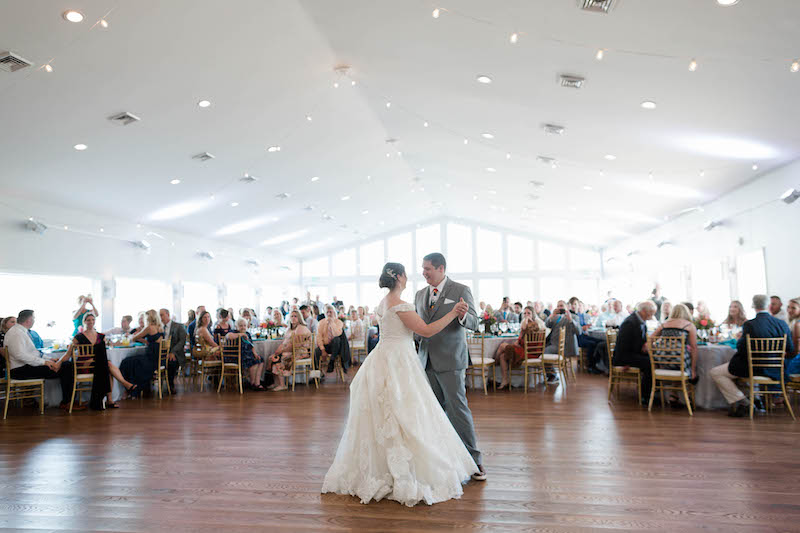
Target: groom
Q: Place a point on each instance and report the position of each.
(445, 355)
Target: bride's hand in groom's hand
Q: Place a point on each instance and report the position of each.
(461, 308)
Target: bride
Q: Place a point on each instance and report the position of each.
(398, 443)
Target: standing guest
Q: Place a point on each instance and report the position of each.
(190, 329)
(124, 327)
(85, 303)
(281, 360)
(26, 362)
(103, 368)
(560, 318)
(511, 354)
(190, 318)
(308, 318)
(659, 301)
(7, 323)
(223, 327)
(284, 309)
(666, 309)
(277, 318)
(736, 315)
(175, 333)
(775, 308)
(331, 341)
(764, 325)
(631, 348)
(679, 324)
(267, 314)
(138, 369)
(251, 362)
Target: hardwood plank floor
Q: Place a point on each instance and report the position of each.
(557, 461)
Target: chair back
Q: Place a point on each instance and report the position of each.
(667, 353)
(533, 344)
(611, 343)
(764, 353)
(302, 345)
(475, 346)
(163, 352)
(83, 359)
(231, 349)
(7, 367)
(562, 341)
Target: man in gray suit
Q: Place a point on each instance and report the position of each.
(175, 333)
(445, 355)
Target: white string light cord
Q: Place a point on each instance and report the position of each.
(516, 36)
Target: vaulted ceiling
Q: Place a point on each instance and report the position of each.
(397, 137)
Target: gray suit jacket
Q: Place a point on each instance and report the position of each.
(177, 341)
(447, 349)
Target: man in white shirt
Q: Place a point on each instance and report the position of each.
(26, 362)
(615, 316)
(311, 321)
(125, 327)
(775, 309)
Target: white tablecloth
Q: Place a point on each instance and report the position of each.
(707, 395)
(490, 345)
(265, 348)
(52, 387)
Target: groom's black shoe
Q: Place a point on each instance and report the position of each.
(480, 475)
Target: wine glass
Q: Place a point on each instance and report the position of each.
(504, 326)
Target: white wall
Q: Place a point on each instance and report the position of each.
(753, 218)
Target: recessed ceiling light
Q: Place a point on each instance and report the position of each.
(487, 135)
(388, 105)
(425, 124)
(508, 155)
(101, 230)
(80, 147)
(484, 79)
(314, 178)
(727, 3)
(48, 68)
(104, 23)
(513, 38)
(203, 103)
(345, 198)
(587, 187)
(365, 212)
(491, 169)
(175, 181)
(466, 141)
(274, 149)
(692, 65)
(436, 13)
(648, 104)
(755, 167)
(336, 85)
(234, 204)
(795, 67)
(284, 238)
(309, 118)
(599, 55)
(353, 83)
(73, 16)
(610, 157)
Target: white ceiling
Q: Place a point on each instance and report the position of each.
(265, 65)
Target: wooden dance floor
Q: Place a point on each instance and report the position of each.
(556, 462)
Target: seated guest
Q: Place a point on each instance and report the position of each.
(191, 316)
(558, 319)
(251, 362)
(141, 326)
(124, 328)
(504, 312)
(26, 362)
(764, 325)
(331, 341)
(666, 309)
(511, 354)
(204, 338)
(85, 304)
(103, 368)
(363, 316)
(793, 312)
(138, 369)
(538, 310)
(690, 307)
(318, 313)
(267, 314)
(588, 343)
(277, 318)
(702, 310)
(736, 315)
(175, 333)
(631, 348)
(489, 311)
(615, 316)
(190, 329)
(308, 318)
(281, 360)
(37, 340)
(245, 313)
(223, 326)
(355, 330)
(482, 306)
(679, 324)
(231, 317)
(776, 308)
(7, 323)
(516, 316)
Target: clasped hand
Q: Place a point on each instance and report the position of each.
(461, 308)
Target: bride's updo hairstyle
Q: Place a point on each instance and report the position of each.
(389, 274)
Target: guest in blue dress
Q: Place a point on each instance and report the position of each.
(138, 369)
(251, 362)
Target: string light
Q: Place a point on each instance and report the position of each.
(514, 38)
(692, 65)
(795, 66)
(436, 13)
(600, 53)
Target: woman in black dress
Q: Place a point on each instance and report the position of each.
(138, 369)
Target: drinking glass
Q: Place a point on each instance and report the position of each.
(503, 326)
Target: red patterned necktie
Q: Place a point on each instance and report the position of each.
(433, 300)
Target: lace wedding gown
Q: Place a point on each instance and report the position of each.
(398, 443)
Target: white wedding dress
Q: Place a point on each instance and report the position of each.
(398, 443)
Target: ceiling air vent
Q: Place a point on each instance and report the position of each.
(308, 208)
(253, 262)
(571, 82)
(327, 217)
(142, 245)
(204, 156)
(247, 178)
(545, 160)
(282, 196)
(124, 118)
(11, 62)
(552, 129)
(205, 255)
(597, 6)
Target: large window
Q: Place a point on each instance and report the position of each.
(552, 256)
(583, 259)
(459, 248)
(371, 259)
(553, 289)
(521, 290)
(400, 250)
(316, 268)
(196, 294)
(53, 299)
(371, 294)
(346, 292)
(586, 290)
(429, 240)
(490, 250)
(239, 296)
(520, 254)
(318, 292)
(134, 296)
(491, 292)
(751, 276)
(710, 285)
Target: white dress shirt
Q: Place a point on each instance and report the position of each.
(21, 350)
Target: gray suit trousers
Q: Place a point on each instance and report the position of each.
(450, 390)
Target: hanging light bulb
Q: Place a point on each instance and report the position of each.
(425, 124)
(692, 65)
(508, 155)
(436, 13)
(702, 173)
(336, 85)
(599, 55)
(795, 66)
(514, 38)
(388, 105)
(466, 141)
(104, 23)
(48, 68)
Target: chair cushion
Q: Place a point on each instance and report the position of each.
(660, 372)
(533, 361)
(476, 361)
(763, 379)
(26, 381)
(84, 377)
(794, 377)
(302, 362)
(626, 369)
(550, 357)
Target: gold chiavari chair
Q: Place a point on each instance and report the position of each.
(194, 361)
(533, 363)
(358, 347)
(19, 389)
(82, 371)
(210, 366)
(160, 373)
(303, 358)
(556, 362)
(793, 385)
(764, 354)
(617, 375)
(230, 352)
(480, 362)
(667, 353)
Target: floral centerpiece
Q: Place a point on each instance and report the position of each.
(704, 323)
(489, 323)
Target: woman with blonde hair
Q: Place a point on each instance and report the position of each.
(511, 354)
(736, 315)
(281, 360)
(679, 324)
(138, 369)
